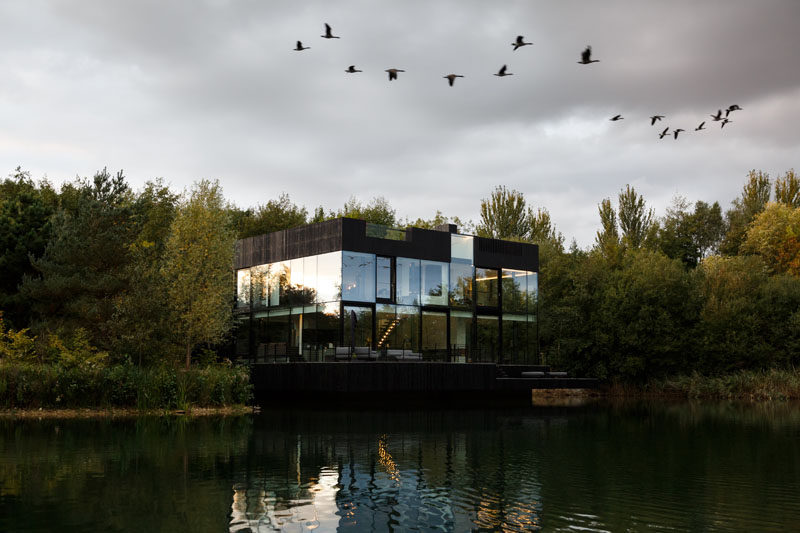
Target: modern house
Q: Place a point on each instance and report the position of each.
(345, 289)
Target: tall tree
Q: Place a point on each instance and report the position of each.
(787, 189)
(635, 220)
(753, 200)
(198, 267)
(542, 229)
(84, 264)
(25, 212)
(504, 215)
(141, 323)
(607, 239)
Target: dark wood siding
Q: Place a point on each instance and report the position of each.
(350, 234)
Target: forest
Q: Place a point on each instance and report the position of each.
(94, 274)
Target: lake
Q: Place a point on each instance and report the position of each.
(632, 466)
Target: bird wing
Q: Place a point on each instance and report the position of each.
(299, 44)
(327, 29)
(519, 39)
(587, 54)
(502, 70)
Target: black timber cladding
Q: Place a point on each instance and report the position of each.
(350, 234)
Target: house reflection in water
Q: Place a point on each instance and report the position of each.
(382, 483)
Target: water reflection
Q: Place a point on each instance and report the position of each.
(597, 468)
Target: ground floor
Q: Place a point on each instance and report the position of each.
(343, 330)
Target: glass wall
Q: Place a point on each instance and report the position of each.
(515, 338)
(434, 335)
(407, 328)
(514, 287)
(384, 286)
(461, 249)
(295, 307)
(243, 288)
(461, 342)
(386, 326)
(357, 326)
(408, 281)
(532, 290)
(488, 333)
(461, 285)
(358, 277)
(486, 288)
(434, 282)
(329, 277)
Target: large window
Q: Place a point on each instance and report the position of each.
(486, 287)
(434, 335)
(386, 326)
(461, 342)
(407, 327)
(434, 282)
(357, 326)
(461, 249)
(486, 348)
(532, 291)
(461, 285)
(243, 288)
(329, 277)
(408, 281)
(384, 282)
(515, 338)
(358, 277)
(514, 291)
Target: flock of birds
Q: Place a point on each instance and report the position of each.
(677, 131)
(586, 59)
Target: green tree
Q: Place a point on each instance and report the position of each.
(83, 268)
(689, 236)
(438, 220)
(25, 212)
(607, 238)
(753, 200)
(774, 234)
(635, 220)
(275, 215)
(377, 211)
(141, 323)
(542, 229)
(198, 268)
(787, 189)
(504, 215)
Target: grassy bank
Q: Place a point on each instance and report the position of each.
(33, 386)
(754, 385)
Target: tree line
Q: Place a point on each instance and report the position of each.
(94, 270)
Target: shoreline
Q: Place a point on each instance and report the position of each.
(118, 413)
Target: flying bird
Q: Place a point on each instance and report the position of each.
(351, 69)
(676, 132)
(586, 57)
(519, 42)
(700, 127)
(451, 78)
(300, 47)
(664, 133)
(734, 107)
(502, 72)
(393, 73)
(654, 118)
(724, 121)
(718, 116)
(616, 117)
(328, 34)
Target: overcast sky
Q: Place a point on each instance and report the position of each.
(186, 90)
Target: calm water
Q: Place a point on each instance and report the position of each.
(697, 467)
